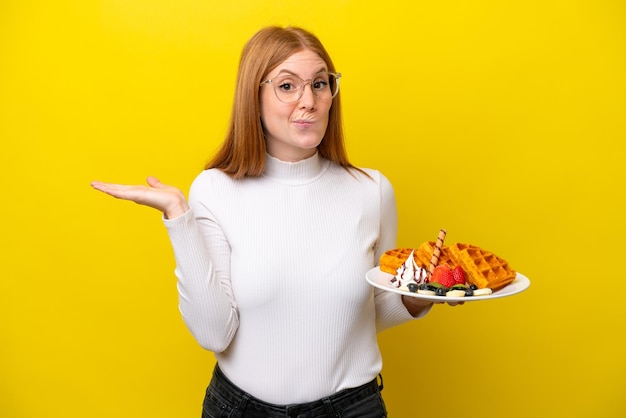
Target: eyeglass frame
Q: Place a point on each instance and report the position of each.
(303, 85)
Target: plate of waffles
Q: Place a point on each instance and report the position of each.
(457, 266)
(383, 280)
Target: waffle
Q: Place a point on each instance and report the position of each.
(424, 253)
(391, 260)
(482, 268)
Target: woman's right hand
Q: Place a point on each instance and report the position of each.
(168, 199)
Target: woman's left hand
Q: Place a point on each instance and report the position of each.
(415, 306)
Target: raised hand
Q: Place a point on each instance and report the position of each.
(168, 199)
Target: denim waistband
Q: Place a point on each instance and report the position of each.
(247, 405)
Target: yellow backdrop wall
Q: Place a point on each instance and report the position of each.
(503, 122)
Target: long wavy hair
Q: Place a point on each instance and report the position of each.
(243, 151)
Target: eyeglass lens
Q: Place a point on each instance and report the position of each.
(290, 88)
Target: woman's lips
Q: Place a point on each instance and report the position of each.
(303, 123)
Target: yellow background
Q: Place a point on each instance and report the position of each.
(503, 122)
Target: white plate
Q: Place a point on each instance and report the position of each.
(382, 280)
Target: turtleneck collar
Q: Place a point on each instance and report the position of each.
(300, 172)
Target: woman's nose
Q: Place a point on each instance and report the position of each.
(308, 96)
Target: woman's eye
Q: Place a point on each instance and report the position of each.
(285, 86)
(320, 84)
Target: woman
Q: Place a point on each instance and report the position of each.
(274, 243)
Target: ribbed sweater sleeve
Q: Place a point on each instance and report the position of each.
(390, 310)
(205, 302)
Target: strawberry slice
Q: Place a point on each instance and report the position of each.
(458, 275)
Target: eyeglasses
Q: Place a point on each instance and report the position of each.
(289, 88)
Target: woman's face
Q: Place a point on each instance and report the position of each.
(294, 130)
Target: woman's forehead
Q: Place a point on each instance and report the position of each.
(302, 63)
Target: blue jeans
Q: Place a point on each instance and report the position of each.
(224, 399)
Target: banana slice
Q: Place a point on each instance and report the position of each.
(482, 292)
(426, 292)
(455, 293)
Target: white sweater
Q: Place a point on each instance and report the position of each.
(271, 276)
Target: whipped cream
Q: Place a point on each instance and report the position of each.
(409, 272)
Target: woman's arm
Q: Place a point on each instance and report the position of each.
(391, 308)
(205, 297)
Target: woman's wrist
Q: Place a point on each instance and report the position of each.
(178, 210)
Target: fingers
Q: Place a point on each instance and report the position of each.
(103, 187)
(450, 303)
(153, 182)
(117, 190)
(111, 188)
